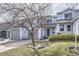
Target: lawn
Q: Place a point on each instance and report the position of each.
(53, 49)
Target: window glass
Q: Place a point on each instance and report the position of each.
(68, 15)
(68, 28)
(61, 27)
(49, 20)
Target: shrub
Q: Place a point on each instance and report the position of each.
(65, 37)
(56, 49)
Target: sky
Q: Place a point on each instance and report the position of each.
(57, 7)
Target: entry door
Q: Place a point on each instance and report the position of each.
(48, 32)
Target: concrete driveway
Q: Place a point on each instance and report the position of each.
(11, 45)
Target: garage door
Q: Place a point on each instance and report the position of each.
(15, 34)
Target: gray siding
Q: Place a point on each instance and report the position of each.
(15, 34)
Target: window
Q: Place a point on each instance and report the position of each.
(49, 20)
(68, 28)
(68, 15)
(61, 27)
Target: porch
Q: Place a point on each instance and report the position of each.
(44, 33)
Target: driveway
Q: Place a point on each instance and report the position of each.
(7, 46)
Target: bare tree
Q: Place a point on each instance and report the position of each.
(30, 16)
(72, 5)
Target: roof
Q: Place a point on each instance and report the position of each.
(5, 25)
(76, 10)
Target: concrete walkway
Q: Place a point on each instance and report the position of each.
(7, 46)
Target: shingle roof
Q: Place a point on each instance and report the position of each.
(76, 10)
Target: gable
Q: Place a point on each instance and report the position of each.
(67, 10)
(61, 15)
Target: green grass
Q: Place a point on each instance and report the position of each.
(53, 49)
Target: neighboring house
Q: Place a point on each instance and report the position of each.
(64, 22)
(3, 30)
(12, 31)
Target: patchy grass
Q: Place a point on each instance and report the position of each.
(57, 49)
(22, 51)
(53, 49)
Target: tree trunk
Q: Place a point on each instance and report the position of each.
(36, 52)
(34, 46)
(33, 41)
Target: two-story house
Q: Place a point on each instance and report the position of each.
(65, 22)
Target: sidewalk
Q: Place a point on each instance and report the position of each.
(5, 41)
(11, 45)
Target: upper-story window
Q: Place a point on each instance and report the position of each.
(68, 15)
(49, 21)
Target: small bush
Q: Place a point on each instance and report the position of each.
(65, 37)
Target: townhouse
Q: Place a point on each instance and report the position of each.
(65, 22)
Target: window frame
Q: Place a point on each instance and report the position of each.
(68, 29)
(68, 15)
(49, 20)
(61, 27)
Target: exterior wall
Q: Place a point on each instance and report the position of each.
(41, 33)
(15, 34)
(61, 16)
(76, 27)
(23, 33)
(53, 19)
(57, 30)
(65, 29)
(8, 34)
(18, 33)
(51, 31)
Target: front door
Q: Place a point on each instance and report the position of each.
(48, 32)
